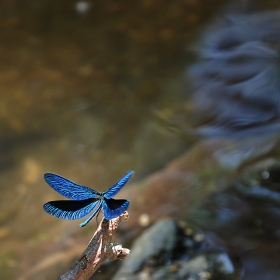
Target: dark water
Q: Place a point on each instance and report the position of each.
(83, 94)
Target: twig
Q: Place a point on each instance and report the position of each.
(99, 249)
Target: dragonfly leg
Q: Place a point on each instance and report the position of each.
(91, 216)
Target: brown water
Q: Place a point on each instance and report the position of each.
(79, 96)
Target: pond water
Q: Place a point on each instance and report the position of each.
(90, 90)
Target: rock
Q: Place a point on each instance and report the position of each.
(157, 248)
(159, 238)
(206, 265)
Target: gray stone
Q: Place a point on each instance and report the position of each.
(159, 237)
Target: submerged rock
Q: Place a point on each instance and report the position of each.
(158, 239)
(236, 84)
(206, 265)
(168, 250)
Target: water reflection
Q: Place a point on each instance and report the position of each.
(237, 94)
(237, 89)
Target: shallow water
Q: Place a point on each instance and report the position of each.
(83, 96)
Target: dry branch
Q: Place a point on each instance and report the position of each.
(99, 249)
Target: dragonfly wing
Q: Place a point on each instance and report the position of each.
(113, 208)
(113, 190)
(69, 189)
(69, 209)
(91, 216)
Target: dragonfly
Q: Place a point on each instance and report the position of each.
(84, 199)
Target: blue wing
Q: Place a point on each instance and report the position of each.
(113, 208)
(91, 216)
(69, 189)
(69, 209)
(113, 190)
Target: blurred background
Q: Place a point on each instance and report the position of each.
(92, 89)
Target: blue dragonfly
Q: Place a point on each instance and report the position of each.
(85, 199)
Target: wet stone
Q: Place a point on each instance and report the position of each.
(206, 265)
(158, 248)
(214, 265)
(159, 238)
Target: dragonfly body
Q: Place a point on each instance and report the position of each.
(84, 199)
